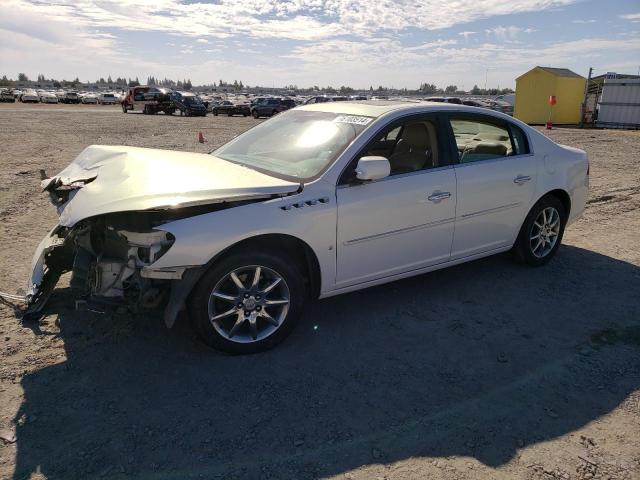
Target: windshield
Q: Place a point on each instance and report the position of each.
(298, 144)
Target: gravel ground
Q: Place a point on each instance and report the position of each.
(488, 370)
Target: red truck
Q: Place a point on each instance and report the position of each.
(149, 100)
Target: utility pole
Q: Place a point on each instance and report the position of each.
(584, 100)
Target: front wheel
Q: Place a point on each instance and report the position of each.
(248, 302)
(255, 114)
(124, 108)
(541, 232)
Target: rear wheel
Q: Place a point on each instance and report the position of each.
(248, 302)
(255, 114)
(541, 232)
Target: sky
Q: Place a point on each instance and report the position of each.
(359, 43)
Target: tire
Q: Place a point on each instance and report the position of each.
(527, 248)
(275, 112)
(124, 108)
(255, 115)
(215, 113)
(267, 334)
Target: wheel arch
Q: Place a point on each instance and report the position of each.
(290, 245)
(304, 255)
(561, 195)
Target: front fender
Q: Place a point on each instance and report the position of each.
(199, 239)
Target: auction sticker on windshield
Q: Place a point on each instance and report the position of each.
(354, 119)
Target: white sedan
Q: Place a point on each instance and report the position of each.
(318, 201)
(89, 98)
(48, 97)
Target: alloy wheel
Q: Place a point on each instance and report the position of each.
(545, 232)
(249, 304)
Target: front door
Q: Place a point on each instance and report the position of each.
(403, 222)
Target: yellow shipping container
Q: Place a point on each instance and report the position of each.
(534, 88)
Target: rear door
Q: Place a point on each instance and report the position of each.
(496, 176)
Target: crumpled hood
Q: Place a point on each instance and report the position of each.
(107, 179)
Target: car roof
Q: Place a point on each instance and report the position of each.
(377, 108)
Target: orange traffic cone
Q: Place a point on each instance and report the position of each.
(200, 137)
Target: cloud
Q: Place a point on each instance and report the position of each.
(356, 42)
(287, 19)
(634, 17)
(580, 21)
(466, 35)
(377, 62)
(509, 33)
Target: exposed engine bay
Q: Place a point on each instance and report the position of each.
(112, 202)
(107, 256)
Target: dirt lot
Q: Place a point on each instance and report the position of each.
(488, 370)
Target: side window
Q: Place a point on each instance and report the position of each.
(393, 134)
(520, 144)
(410, 147)
(478, 140)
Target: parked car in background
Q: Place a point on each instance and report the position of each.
(471, 102)
(206, 100)
(510, 98)
(29, 96)
(227, 107)
(90, 98)
(6, 96)
(324, 99)
(48, 97)
(107, 99)
(501, 106)
(188, 104)
(71, 97)
(455, 100)
(319, 201)
(271, 106)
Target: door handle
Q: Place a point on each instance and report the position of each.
(520, 179)
(435, 197)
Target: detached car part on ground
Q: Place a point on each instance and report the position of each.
(318, 201)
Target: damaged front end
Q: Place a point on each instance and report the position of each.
(110, 258)
(112, 202)
(106, 256)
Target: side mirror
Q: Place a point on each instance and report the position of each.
(372, 168)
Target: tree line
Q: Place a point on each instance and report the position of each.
(237, 85)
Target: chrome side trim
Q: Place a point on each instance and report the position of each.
(401, 230)
(491, 210)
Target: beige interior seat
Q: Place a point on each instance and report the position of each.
(416, 148)
(483, 151)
